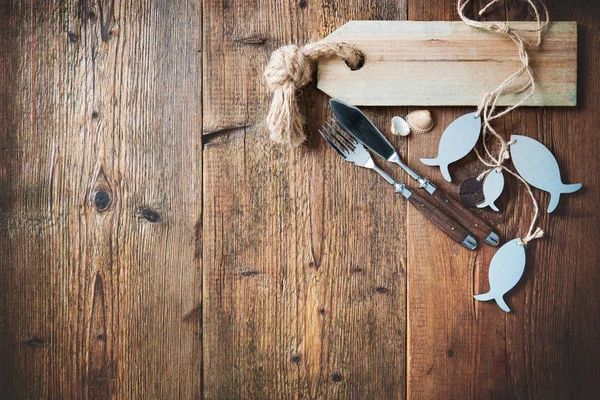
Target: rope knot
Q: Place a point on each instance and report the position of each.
(288, 66)
(289, 70)
(538, 234)
(501, 28)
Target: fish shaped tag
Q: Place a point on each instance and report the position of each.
(492, 188)
(506, 268)
(537, 165)
(457, 141)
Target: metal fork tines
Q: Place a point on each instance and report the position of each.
(353, 151)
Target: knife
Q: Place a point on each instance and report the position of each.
(359, 126)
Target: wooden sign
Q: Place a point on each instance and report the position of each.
(447, 63)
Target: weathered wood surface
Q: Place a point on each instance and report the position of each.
(304, 270)
(546, 348)
(100, 211)
(402, 56)
(256, 271)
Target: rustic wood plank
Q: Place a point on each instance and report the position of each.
(459, 348)
(100, 210)
(402, 56)
(304, 255)
(553, 342)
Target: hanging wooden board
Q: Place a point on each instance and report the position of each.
(447, 63)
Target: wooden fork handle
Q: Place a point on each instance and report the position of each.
(466, 218)
(443, 222)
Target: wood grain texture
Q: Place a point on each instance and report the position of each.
(136, 264)
(402, 56)
(303, 253)
(100, 206)
(461, 348)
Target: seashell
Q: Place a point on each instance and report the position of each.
(400, 126)
(420, 121)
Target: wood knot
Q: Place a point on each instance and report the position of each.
(256, 40)
(102, 201)
(101, 196)
(92, 16)
(295, 358)
(73, 37)
(337, 377)
(149, 215)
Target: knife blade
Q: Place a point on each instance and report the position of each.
(361, 127)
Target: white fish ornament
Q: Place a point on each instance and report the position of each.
(457, 141)
(492, 188)
(537, 165)
(506, 268)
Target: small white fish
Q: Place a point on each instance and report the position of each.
(457, 141)
(537, 165)
(506, 268)
(492, 188)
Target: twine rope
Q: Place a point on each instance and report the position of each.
(289, 70)
(487, 108)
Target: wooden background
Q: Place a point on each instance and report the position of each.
(155, 245)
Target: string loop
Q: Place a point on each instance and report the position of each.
(487, 108)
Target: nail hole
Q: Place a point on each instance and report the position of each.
(73, 37)
(95, 114)
(295, 358)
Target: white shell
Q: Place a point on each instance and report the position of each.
(457, 141)
(420, 121)
(537, 165)
(400, 126)
(492, 189)
(506, 268)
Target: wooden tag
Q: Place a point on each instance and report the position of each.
(447, 63)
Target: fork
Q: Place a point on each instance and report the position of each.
(353, 151)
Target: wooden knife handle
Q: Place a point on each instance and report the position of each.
(472, 222)
(443, 222)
